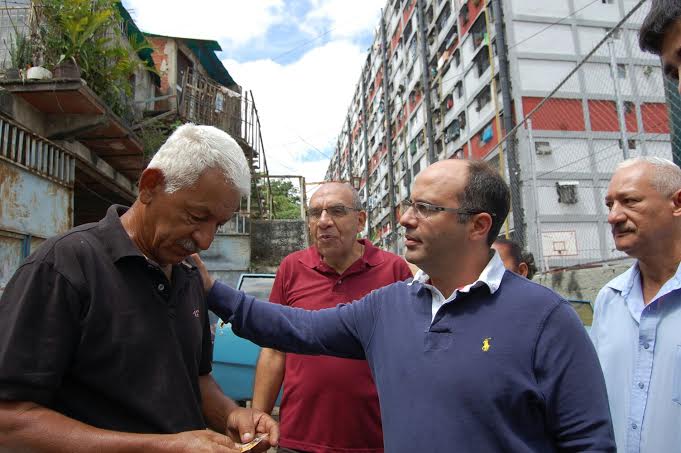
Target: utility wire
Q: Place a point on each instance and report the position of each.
(301, 45)
(552, 24)
(315, 148)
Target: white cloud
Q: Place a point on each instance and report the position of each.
(302, 104)
(346, 18)
(233, 21)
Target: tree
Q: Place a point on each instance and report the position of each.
(285, 198)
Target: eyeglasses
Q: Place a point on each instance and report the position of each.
(335, 211)
(425, 210)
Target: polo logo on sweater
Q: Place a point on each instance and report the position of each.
(196, 313)
(486, 345)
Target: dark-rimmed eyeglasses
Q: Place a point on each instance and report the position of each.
(335, 211)
(424, 210)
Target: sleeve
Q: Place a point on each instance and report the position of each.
(39, 333)
(342, 331)
(570, 378)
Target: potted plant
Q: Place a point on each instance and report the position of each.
(71, 29)
(20, 51)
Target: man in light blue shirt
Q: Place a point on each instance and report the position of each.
(637, 316)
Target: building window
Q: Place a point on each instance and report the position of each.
(478, 32)
(464, 14)
(417, 167)
(542, 148)
(462, 120)
(631, 144)
(567, 192)
(622, 71)
(453, 131)
(617, 34)
(482, 61)
(628, 107)
(483, 99)
(486, 134)
(459, 89)
(449, 102)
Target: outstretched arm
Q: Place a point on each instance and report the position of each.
(341, 331)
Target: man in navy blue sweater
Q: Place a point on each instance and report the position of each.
(466, 357)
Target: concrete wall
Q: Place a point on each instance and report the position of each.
(272, 240)
(582, 284)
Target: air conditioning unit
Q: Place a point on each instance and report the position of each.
(567, 192)
(542, 148)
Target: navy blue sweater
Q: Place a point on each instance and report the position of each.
(511, 371)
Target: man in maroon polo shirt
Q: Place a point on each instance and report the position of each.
(329, 404)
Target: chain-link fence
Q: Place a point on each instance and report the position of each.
(613, 105)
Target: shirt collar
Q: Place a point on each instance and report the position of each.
(118, 242)
(371, 256)
(491, 276)
(630, 281)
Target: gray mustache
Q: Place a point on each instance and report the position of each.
(189, 245)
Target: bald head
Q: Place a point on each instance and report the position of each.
(476, 185)
(663, 175)
(341, 189)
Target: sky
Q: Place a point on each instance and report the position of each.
(301, 59)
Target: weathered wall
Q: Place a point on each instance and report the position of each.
(31, 204)
(32, 209)
(582, 284)
(272, 240)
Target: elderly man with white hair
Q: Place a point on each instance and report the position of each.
(105, 342)
(637, 316)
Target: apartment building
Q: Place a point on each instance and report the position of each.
(448, 78)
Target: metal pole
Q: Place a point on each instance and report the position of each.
(495, 102)
(349, 151)
(511, 145)
(674, 106)
(425, 80)
(618, 97)
(388, 138)
(365, 140)
(535, 197)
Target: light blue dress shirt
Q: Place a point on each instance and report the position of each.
(639, 348)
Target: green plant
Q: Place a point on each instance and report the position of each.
(154, 135)
(90, 33)
(20, 50)
(20, 46)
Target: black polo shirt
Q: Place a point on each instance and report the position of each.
(92, 329)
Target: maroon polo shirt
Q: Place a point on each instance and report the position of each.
(330, 404)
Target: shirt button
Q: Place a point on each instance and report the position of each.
(634, 426)
(646, 345)
(339, 282)
(640, 385)
(161, 287)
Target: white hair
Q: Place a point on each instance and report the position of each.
(666, 177)
(193, 149)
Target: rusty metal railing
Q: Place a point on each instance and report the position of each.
(36, 154)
